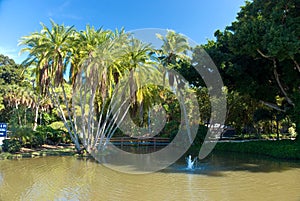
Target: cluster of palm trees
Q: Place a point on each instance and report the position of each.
(60, 50)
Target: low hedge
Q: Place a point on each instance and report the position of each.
(11, 145)
(285, 149)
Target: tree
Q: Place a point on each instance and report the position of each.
(138, 64)
(172, 54)
(49, 51)
(268, 32)
(99, 55)
(83, 45)
(99, 74)
(11, 76)
(258, 54)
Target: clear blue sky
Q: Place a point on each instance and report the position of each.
(198, 19)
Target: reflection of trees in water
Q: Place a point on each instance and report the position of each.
(68, 178)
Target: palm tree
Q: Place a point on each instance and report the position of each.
(141, 69)
(102, 70)
(174, 49)
(49, 52)
(105, 57)
(37, 58)
(17, 96)
(56, 49)
(83, 45)
(172, 52)
(118, 64)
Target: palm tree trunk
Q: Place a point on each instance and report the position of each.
(185, 115)
(149, 122)
(74, 134)
(36, 114)
(71, 129)
(36, 117)
(25, 116)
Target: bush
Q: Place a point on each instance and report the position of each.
(11, 145)
(201, 134)
(286, 149)
(52, 135)
(37, 139)
(22, 133)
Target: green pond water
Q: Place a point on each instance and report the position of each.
(219, 177)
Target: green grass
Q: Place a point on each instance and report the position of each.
(284, 149)
(52, 152)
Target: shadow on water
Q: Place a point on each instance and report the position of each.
(218, 163)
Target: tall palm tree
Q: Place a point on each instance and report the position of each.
(49, 51)
(174, 50)
(118, 61)
(141, 69)
(55, 45)
(37, 59)
(83, 45)
(102, 71)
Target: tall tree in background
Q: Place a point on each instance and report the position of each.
(11, 79)
(269, 31)
(259, 54)
(49, 52)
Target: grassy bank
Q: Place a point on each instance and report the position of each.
(284, 149)
(46, 150)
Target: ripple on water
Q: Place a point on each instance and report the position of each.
(67, 178)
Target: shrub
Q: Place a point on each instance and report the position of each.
(11, 145)
(52, 135)
(286, 149)
(201, 134)
(37, 139)
(22, 133)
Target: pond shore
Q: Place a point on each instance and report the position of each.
(44, 150)
(283, 149)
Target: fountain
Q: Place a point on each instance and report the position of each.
(190, 162)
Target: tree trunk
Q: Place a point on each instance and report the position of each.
(71, 130)
(185, 115)
(296, 64)
(149, 122)
(298, 133)
(277, 129)
(25, 118)
(277, 76)
(37, 105)
(36, 117)
(280, 85)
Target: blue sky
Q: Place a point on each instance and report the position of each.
(197, 19)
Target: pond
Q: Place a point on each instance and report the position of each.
(219, 177)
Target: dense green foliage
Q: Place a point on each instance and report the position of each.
(10, 78)
(11, 145)
(284, 149)
(257, 56)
